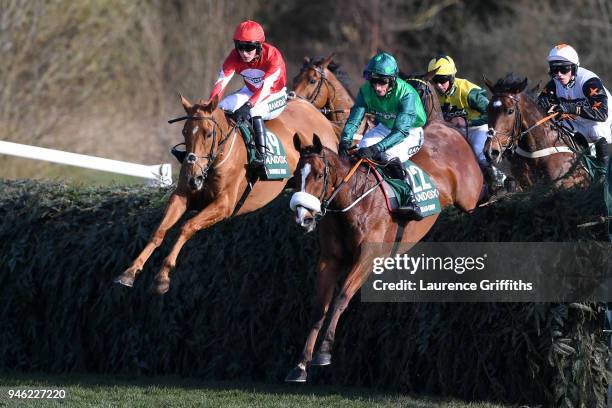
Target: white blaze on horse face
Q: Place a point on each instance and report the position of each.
(305, 172)
(497, 104)
(195, 130)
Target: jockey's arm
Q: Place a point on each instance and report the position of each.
(404, 121)
(477, 100)
(354, 120)
(225, 75)
(547, 97)
(596, 103)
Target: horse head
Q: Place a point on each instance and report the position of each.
(504, 115)
(204, 130)
(312, 182)
(312, 82)
(422, 84)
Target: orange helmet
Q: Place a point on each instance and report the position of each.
(249, 31)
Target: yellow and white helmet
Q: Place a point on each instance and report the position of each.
(565, 53)
(445, 64)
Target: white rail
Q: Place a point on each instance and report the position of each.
(159, 174)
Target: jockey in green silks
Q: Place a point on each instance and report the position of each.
(399, 116)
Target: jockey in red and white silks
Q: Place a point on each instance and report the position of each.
(264, 80)
(264, 95)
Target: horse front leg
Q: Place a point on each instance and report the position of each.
(327, 274)
(216, 211)
(176, 207)
(354, 280)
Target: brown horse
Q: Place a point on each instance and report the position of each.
(213, 176)
(536, 151)
(421, 83)
(445, 156)
(320, 82)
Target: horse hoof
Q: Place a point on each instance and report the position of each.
(297, 375)
(124, 280)
(160, 287)
(321, 359)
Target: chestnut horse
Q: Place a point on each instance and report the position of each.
(213, 177)
(537, 150)
(318, 84)
(445, 156)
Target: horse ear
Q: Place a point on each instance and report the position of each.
(214, 102)
(306, 61)
(297, 143)
(488, 83)
(536, 89)
(430, 74)
(327, 60)
(316, 142)
(186, 104)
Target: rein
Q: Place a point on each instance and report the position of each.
(515, 135)
(312, 98)
(325, 202)
(212, 156)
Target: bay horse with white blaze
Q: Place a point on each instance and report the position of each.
(445, 156)
(537, 150)
(213, 177)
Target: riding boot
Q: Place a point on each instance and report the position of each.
(260, 143)
(412, 209)
(601, 154)
(395, 169)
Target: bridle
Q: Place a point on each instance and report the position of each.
(314, 95)
(215, 149)
(513, 141)
(325, 202)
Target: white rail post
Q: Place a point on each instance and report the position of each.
(160, 174)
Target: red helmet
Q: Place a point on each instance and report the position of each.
(249, 31)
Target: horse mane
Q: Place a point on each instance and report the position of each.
(510, 84)
(414, 75)
(336, 69)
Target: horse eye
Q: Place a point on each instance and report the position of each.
(319, 176)
(510, 111)
(312, 81)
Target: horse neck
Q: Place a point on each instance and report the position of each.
(224, 129)
(361, 181)
(434, 110)
(539, 137)
(338, 96)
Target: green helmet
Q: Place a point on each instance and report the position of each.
(383, 65)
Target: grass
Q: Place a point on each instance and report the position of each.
(98, 390)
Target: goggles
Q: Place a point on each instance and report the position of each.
(246, 46)
(441, 79)
(564, 69)
(380, 80)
